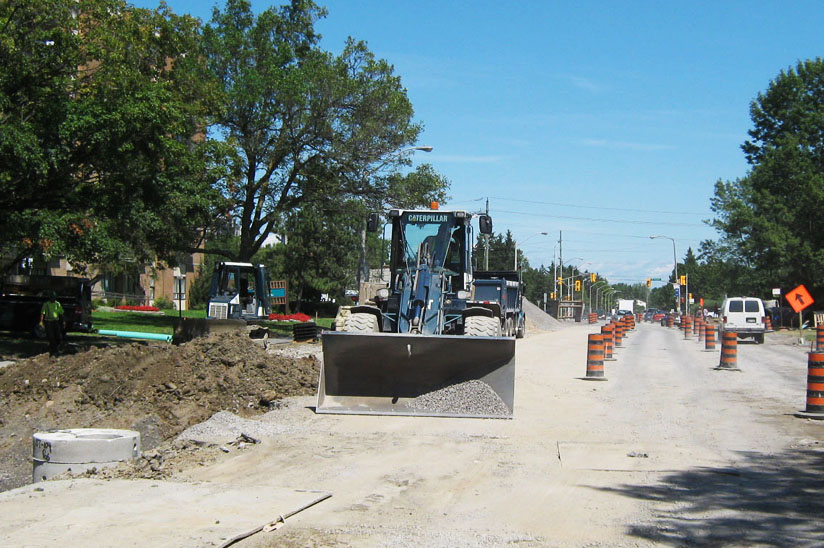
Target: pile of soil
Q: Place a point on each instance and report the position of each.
(157, 390)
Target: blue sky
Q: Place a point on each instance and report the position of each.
(608, 121)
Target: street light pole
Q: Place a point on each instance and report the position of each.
(607, 291)
(591, 285)
(675, 261)
(614, 294)
(525, 239)
(598, 294)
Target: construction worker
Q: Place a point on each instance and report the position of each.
(51, 316)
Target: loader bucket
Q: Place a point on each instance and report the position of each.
(417, 375)
(187, 329)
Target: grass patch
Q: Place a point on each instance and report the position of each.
(164, 323)
(18, 345)
(133, 321)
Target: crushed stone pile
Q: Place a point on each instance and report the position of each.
(470, 397)
(538, 320)
(157, 390)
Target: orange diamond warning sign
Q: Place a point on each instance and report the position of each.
(799, 298)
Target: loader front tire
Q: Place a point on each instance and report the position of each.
(482, 326)
(361, 322)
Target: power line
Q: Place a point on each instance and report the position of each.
(607, 208)
(594, 219)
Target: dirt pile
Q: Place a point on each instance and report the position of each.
(156, 390)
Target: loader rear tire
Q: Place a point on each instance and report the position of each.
(482, 326)
(361, 322)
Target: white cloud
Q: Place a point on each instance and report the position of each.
(581, 83)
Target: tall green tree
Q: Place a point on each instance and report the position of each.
(292, 121)
(501, 252)
(770, 220)
(99, 113)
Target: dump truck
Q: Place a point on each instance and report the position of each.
(22, 297)
(425, 348)
(239, 295)
(501, 292)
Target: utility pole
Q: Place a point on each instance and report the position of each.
(561, 258)
(486, 241)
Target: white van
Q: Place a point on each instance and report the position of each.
(744, 316)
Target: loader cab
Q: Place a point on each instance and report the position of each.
(439, 240)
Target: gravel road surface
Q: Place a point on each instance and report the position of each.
(667, 452)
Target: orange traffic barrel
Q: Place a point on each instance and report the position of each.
(639, 318)
(608, 331)
(595, 357)
(815, 387)
(618, 333)
(709, 338)
(670, 320)
(729, 351)
(629, 323)
(768, 324)
(687, 320)
(819, 338)
(593, 317)
(700, 327)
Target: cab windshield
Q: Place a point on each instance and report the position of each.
(427, 238)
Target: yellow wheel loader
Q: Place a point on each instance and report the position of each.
(422, 349)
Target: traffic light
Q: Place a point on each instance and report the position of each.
(577, 285)
(592, 277)
(649, 282)
(560, 281)
(552, 295)
(683, 280)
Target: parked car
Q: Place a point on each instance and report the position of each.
(745, 317)
(659, 315)
(649, 313)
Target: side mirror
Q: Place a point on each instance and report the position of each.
(373, 222)
(485, 224)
